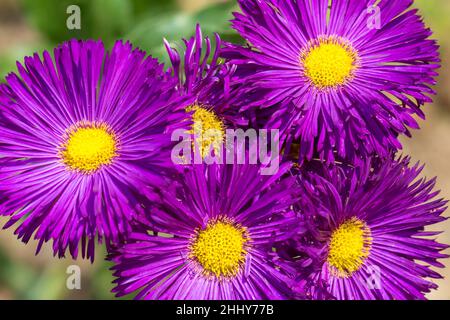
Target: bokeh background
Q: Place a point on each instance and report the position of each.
(27, 26)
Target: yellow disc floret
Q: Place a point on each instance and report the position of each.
(220, 248)
(208, 130)
(329, 62)
(87, 147)
(349, 247)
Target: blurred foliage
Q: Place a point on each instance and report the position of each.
(105, 19)
(9, 58)
(32, 280)
(436, 15)
(175, 25)
(144, 22)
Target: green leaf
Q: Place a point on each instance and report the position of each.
(144, 7)
(105, 19)
(216, 18)
(109, 19)
(175, 25)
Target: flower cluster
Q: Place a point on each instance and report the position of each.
(86, 157)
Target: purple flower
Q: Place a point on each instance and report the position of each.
(201, 75)
(337, 84)
(82, 138)
(215, 231)
(367, 235)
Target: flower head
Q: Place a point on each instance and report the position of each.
(215, 232)
(336, 84)
(82, 139)
(202, 75)
(367, 236)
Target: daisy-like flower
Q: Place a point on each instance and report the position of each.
(202, 75)
(220, 224)
(81, 139)
(344, 78)
(368, 236)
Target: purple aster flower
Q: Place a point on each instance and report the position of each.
(202, 75)
(368, 236)
(340, 86)
(219, 225)
(82, 138)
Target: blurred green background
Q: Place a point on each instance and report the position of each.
(27, 26)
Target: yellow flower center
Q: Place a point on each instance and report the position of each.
(349, 247)
(87, 147)
(220, 248)
(208, 129)
(329, 62)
